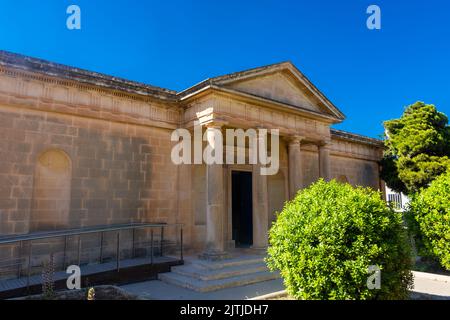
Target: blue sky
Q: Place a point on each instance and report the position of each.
(369, 74)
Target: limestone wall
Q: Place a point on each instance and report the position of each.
(350, 161)
(356, 162)
(89, 155)
(310, 164)
(110, 172)
(73, 156)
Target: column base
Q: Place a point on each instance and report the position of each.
(214, 256)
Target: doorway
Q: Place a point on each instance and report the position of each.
(242, 208)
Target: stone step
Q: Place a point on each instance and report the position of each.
(213, 285)
(222, 264)
(194, 271)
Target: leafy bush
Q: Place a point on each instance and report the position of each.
(431, 210)
(325, 239)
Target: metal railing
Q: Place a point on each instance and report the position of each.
(173, 244)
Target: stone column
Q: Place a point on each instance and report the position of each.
(295, 165)
(261, 209)
(215, 244)
(324, 160)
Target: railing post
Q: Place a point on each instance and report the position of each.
(79, 249)
(181, 243)
(29, 265)
(132, 248)
(161, 242)
(19, 260)
(118, 251)
(151, 246)
(64, 254)
(101, 247)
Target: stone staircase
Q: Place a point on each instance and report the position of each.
(204, 276)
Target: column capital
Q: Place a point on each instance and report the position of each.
(324, 143)
(294, 140)
(215, 124)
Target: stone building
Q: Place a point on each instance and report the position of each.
(79, 148)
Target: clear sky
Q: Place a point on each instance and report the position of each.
(369, 74)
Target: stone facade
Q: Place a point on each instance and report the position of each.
(116, 171)
(81, 149)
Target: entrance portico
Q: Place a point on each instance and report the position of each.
(220, 230)
(278, 98)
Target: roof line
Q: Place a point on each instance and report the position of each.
(51, 69)
(26, 63)
(327, 101)
(227, 76)
(356, 137)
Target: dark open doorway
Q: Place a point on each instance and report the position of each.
(242, 208)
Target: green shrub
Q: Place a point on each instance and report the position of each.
(48, 282)
(431, 210)
(415, 233)
(325, 239)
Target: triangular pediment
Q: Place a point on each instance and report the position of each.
(282, 83)
(278, 87)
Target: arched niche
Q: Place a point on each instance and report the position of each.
(51, 191)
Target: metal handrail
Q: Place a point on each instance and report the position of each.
(29, 238)
(80, 231)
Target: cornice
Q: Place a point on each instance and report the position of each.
(31, 91)
(42, 67)
(27, 75)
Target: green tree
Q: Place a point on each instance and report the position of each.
(417, 148)
(325, 239)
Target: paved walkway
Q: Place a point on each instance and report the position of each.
(436, 286)
(426, 286)
(159, 290)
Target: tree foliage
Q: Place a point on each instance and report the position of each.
(430, 208)
(325, 239)
(417, 148)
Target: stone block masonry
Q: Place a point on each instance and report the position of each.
(115, 172)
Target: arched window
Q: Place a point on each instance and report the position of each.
(51, 191)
